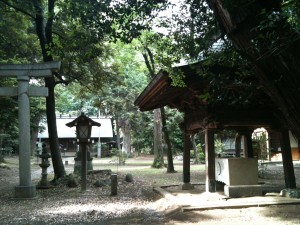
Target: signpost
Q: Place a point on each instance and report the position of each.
(23, 73)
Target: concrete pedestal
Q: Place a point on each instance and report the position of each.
(238, 191)
(25, 192)
(236, 171)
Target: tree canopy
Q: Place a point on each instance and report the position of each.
(260, 39)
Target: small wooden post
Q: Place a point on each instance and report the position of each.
(83, 166)
(114, 184)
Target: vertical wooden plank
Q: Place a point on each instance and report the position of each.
(210, 185)
(186, 158)
(248, 148)
(238, 140)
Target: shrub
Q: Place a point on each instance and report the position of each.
(129, 177)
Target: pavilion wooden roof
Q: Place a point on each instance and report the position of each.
(260, 112)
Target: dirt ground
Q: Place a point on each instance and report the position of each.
(136, 202)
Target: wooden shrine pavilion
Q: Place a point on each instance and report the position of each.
(212, 100)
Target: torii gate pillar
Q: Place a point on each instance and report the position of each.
(25, 190)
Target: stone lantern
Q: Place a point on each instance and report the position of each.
(44, 183)
(83, 126)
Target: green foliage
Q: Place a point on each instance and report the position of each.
(120, 155)
(99, 183)
(222, 136)
(259, 141)
(219, 147)
(200, 153)
(291, 9)
(231, 81)
(192, 29)
(142, 131)
(174, 119)
(122, 19)
(200, 150)
(8, 117)
(18, 44)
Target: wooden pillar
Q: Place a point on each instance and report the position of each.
(83, 166)
(186, 162)
(210, 161)
(248, 146)
(238, 139)
(288, 167)
(248, 149)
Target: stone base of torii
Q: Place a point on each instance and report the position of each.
(23, 73)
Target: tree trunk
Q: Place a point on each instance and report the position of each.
(44, 33)
(158, 161)
(58, 166)
(1, 141)
(126, 129)
(118, 134)
(196, 153)
(170, 166)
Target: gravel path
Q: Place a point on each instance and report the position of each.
(136, 203)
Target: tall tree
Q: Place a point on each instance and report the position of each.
(125, 78)
(103, 19)
(158, 161)
(119, 99)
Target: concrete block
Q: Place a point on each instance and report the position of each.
(236, 171)
(25, 192)
(238, 191)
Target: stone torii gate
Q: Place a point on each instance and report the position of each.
(23, 73)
